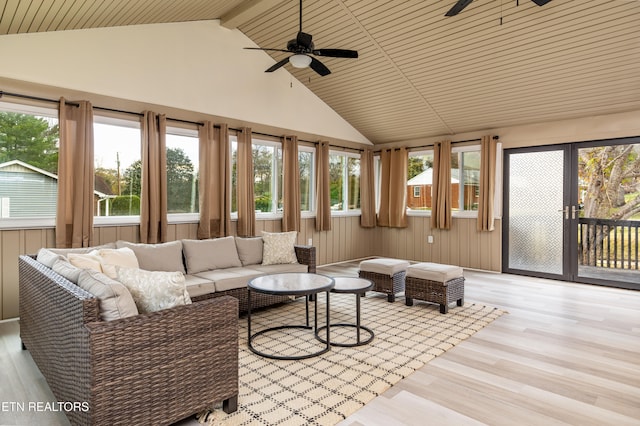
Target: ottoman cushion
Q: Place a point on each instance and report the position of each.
(384, 266)
(434, 272)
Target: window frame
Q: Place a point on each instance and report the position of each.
(345, 211)
(459, 150)
(175, 218)
(38, 111)
(123, 220)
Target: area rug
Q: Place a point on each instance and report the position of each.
(324, 390)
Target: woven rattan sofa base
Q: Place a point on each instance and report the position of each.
(383, 283)
(155, 368)
(435, 292)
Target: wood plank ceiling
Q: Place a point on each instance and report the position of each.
(419, 74)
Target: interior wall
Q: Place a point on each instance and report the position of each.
(196, 66)
(462, 245)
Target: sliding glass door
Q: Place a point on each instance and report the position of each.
(572, 212)
(535, 233)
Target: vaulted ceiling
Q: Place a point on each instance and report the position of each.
(419, 74)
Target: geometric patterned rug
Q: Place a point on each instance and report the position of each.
(324, 390)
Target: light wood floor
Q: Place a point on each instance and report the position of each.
(564, 354)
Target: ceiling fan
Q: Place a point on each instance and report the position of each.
(461, 4)
(302, 48)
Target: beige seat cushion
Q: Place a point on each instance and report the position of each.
(434, 272)
(384, 266)
(279, 269)
(197, 286)
(230, 278)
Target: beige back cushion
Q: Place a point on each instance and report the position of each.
(157, 257)
(249, 250)
(206, 255)
(115, 300)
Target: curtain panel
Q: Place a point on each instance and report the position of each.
(323, 195)
(393, 188)
(441, 198)
(74, 215)
(486, 217)
(244, 185)
(291, 188)
(215, 181)
(153, 192)
(367, 190)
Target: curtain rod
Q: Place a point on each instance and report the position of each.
(178, 120)
(495, 138)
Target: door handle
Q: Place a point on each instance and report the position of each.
(574, 210)
(565, 210)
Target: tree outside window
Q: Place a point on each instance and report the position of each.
(344, 181)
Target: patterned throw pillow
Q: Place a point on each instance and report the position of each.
(278, 248)
(154, 290)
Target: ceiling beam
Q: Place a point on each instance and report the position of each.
(246, 11)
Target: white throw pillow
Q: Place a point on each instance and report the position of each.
(112, 258)
(115, 300)
(86, 261)
(278, 248)
(154, 290)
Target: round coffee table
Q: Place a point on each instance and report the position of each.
(357, 286)
(290, 284)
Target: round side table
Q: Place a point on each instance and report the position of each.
(357, 286)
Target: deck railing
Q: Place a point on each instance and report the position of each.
(608, 243)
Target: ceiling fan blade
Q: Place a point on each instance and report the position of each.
(541, 2)
(266, 49)
(278, 65)
(319, 67)
(304, 40)
(458, 7)
(336, 53)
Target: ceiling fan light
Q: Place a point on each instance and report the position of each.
(300, 61)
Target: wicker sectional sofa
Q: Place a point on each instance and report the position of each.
(151, 368)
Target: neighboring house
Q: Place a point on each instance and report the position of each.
(27, 191)
(419, 190)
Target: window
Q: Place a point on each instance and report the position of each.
(465, 178)
(344, 181)
(267, 170)
(182, 171)
(29, 140)
(307, 175)
(465, 173)
(268, 182)
(420, 175)
(118, 167)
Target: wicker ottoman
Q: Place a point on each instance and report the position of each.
(387, 275)
(435, 283)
